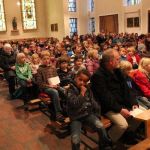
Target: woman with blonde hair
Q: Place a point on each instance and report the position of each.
(142, 76)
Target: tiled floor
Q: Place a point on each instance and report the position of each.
(20, 130)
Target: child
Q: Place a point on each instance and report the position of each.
(81, 106)
(23, 72)
(35, 62)
(92, 62)
(123, 53)
(142, 77)
(126, 68)
(63, 71)
(27, 54)
(78, 64)
(46, 71)
(133, 57)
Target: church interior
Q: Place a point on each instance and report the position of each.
(74, 74)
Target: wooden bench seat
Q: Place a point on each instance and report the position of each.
(36, 103)
(61, 129)
(61, 125)
(143, 145)
(87, 132)
(106, 122)
(145, 117)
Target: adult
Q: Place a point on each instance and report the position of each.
(8, 59)
(111, 91)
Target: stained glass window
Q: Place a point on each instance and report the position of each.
(28, 14)
(92, 25)
(73, 26)
(131, 2)
(72, 5)
(2, 17)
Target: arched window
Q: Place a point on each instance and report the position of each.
(28, 14)
(72, 5)
(131, 2)
(2, 17)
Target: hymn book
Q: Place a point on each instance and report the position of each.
(136, 112)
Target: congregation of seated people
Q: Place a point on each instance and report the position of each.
(109, 73)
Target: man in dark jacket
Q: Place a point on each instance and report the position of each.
(112, 92)
(8, 59)
(1, 47)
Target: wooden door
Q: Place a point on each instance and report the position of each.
(149, 21)
(109, 23)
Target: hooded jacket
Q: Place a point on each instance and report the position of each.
(79, 106)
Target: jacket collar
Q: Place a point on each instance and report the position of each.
(116, 75)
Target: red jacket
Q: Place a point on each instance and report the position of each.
(143, 82)
(129, 58)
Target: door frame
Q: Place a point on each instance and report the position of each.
(110, 15)
(148, 21)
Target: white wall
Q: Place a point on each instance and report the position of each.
(13, 10)
(144, 13)
(107, 7)
(56, 11)
(132, 11)
(81, 15)
(55, 14)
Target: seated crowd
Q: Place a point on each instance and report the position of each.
(107, 74)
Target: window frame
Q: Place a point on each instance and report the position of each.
(72, 9)
(76, 25)
(34, 17)
(131, 22)
(131, 2)
(92, 24)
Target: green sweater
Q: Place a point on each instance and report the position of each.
(23, 71)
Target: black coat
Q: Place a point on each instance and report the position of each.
(6, 62)
(111, 90)
(79, 106)
(135, 90)
(65, 77)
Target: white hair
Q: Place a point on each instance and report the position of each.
(7, 45)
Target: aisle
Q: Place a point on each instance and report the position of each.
(20, 130)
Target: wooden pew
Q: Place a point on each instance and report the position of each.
(36, 103)
(60, 129)
(145, 117)
(1, 73)
(63, 129)
(87, 134)
(143, 145)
